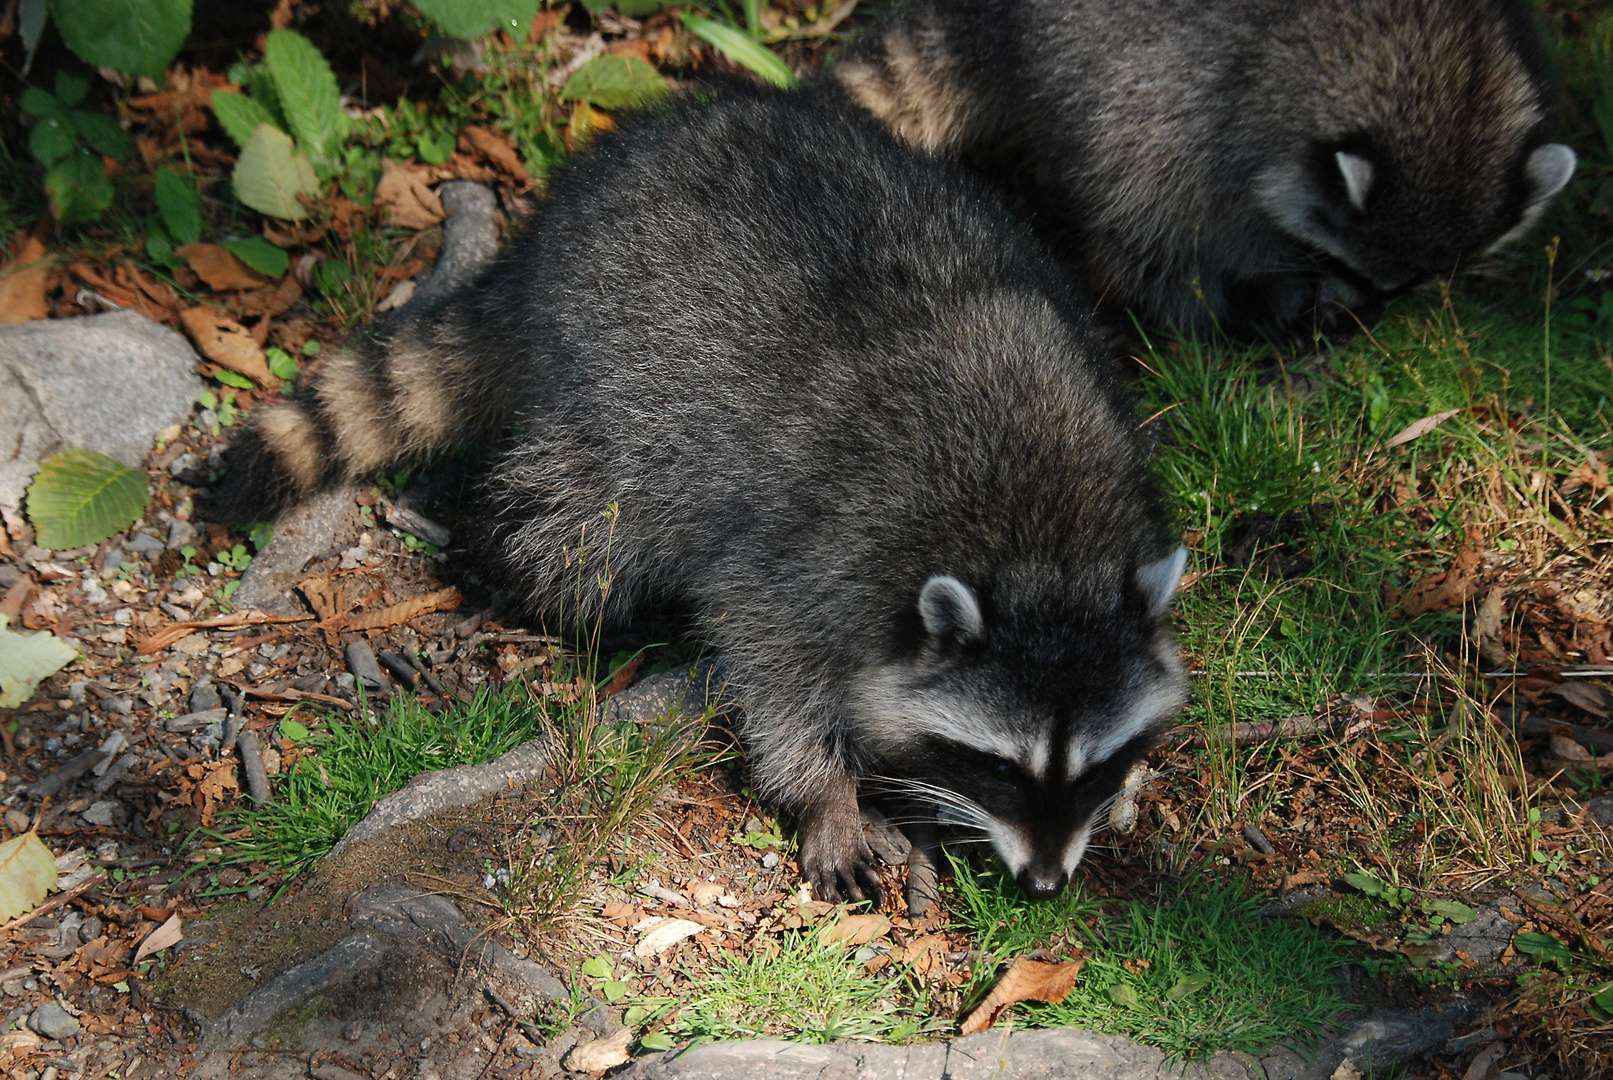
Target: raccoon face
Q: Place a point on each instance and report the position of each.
(1392, 225)
(1016, 716)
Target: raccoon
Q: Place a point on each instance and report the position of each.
(835, 403)
(1270, 167)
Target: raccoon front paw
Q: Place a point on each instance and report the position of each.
(836, 861)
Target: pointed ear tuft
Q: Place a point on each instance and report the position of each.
(1158, 580)
(1358, 176)
(1549, 169)
(949, 609)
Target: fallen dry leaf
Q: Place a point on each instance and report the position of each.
(228, 344)
(1418, 428)
(1587, 696)
(407, 198)
(220, 268)
(168, 635)
(601, 1054)
(399, 613)
(161, 938)
(854, 930)
(1449, 588)
(498, 150)
(214, 782)
(23, 282)
(661, 933)
(1026, 980)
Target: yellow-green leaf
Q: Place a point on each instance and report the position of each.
(610, 81)
(27, 873)
(270, 174)
(26, 660)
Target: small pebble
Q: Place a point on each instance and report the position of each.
(770, 860)
(204, 697)
(16, 821)
(53, 1022)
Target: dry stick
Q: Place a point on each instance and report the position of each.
(1255, 731)
(67, 773)
(257, 780)
(55, 902)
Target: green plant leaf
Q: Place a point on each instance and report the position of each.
(52, 139)
(260, 255)
(136, 36)
(614, 990)
(637, 1014)
(180, 207)
(434, 149)
(597, 967)
(1603, 999)
(26, 660)
(742, 49)
(295, 730)
(1188, 984)
(260, 536)
(82, 497)
(1453, 910)
(239, 115)
(610, 81)
(78, 188)
(1544, 948)
(473, 18)
(103, 134)
(70, 88)
(1366, 883)
(27, 873)
(1124, 996)
(657, 1040)
(235, 379)
(269, 175)
(37, 102)
(282, 365)
(308, 95)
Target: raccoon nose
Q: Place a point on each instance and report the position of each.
(1040, 887)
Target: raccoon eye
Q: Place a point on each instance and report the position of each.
(1002, 768)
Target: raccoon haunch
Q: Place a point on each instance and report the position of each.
(854, 421)
(1266, 166)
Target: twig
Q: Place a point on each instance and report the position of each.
(257, 780)
(1257, 731)
(66, 774)
(55, 902)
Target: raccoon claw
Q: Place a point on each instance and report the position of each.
(835, 859)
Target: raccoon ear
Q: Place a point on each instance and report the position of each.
(949, 609)
(1548, 170)
(1158, 580)
(1358, 176)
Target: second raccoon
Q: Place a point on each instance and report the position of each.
(852, 419)
(1277, 167)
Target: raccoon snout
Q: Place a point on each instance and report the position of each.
(1042, 885)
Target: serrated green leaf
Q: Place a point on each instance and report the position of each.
(37, 102)
(27, 872)
(269, 175)
(308, 95)
(82, 497)
(260, 255)
(235, 379)
(78, 188)
(597, 967)
(434, 149)
(610, 81)
(52, 139)
(136, 36)
(70, 88)
(657, 1040)
(1453, 910)
(473, 18)
(103, 134)
(239, 115)
(180, 207)
(742, 49)
(1366, 883)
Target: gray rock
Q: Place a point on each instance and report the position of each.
(103, 813)
(682, 691)
(181, 534)
(1054, 1054)
(469, 239)
(144, 544)
(1483, 937)
(304, 531)
(53, 1022)
(1600, 810)
(443, 789)
(204, 698)
(103, 382)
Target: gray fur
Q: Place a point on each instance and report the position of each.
(771, 367)
(1187, 151)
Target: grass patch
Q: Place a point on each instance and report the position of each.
(798, 989)
(1197, 972)
(350, 763)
